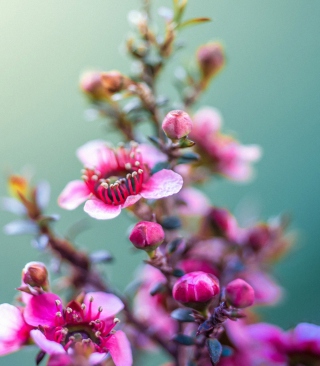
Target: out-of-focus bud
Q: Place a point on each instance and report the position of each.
(18, 186)
(223, 223)
(114, 81)
(259, 236)
(147, 235)
(196, 289)
(35, 274)
(211, 59)
(177, 124)
(239, 294)
(90, 83)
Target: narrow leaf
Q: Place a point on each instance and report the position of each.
(183, 315)
(193, 21)
(101, 256)
(215, 350)
(43, 194)
(19, 227)
(184, 339)
(12, 205)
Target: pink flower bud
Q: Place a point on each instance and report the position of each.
(239, 293)
(211, 59)
(223, 223)
(196, 287)
(35, 274)
(177, 124)
(147, 235)
(259, 236)
(90, 83)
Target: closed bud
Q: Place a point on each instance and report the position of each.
(35, 274)
(177, 124)
(90, 83)
(147, 235)
(196, 289)
(223, 223)
(259, 236)
(114, 81)
(239, 294)
(211, 59)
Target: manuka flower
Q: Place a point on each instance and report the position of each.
(115, 178)
(87, 325)
(14, 331)
(221, 153)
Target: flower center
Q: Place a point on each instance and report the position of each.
(120, 174)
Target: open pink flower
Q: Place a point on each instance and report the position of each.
(89, 324)
(222, 153)
(116, 178)
(14, 332)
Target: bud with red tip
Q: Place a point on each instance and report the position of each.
(177, 124)
(35, 274)
(147, 235)
(211, 59)
(196, 289)
(223, 223)
(239, 294)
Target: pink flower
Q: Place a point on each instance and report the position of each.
(305, 338)
(14, 332)
(153, 310)
(222, 154)
(89, 324)
(116, 178)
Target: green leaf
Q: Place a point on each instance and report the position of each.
(183, 315)
(160, 166)
(177, 272)
(173, 245)
(188, 157)
(171, 223)
(215, 350)
(184, 339)
(193, 21)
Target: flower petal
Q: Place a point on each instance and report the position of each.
(151, 155)
(96, 358)
(119, 348)
(101, 211)
(90, 153)
(75, 193)
(131, 200)
(162, 184)
(111, 304)
(42, 309)
(43, 343)
(11, 324)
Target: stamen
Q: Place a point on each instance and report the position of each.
(100, 309)
(58, 302)
(69, 310)
(128, 166)
(84, 177)
(97, 334)
(116, 320)
(137, 163)
(94, 177)
(140, 171)
(134, 174)
(128, 176)
(83, 171)
(58, 314)
(83, 306)
(132, 155)
(105, 185)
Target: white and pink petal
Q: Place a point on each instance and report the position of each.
(100, 210)
(75, 193)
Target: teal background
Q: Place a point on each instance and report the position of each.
(269, 94)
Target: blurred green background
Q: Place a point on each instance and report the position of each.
(269, 94)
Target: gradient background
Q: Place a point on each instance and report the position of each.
(269, 93)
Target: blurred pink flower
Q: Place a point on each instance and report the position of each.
(14, 331)
(117, 178)
(90, 324)
(153, 310)
(225, 155)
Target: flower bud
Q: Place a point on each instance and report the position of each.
(239, 294)
(90, 83)
(147, 235)
(196, 288)
(35, 274)
(259, 236)
(18, 186)
(113, 81)
(177, 124)
(223, 223)
(210, 59)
